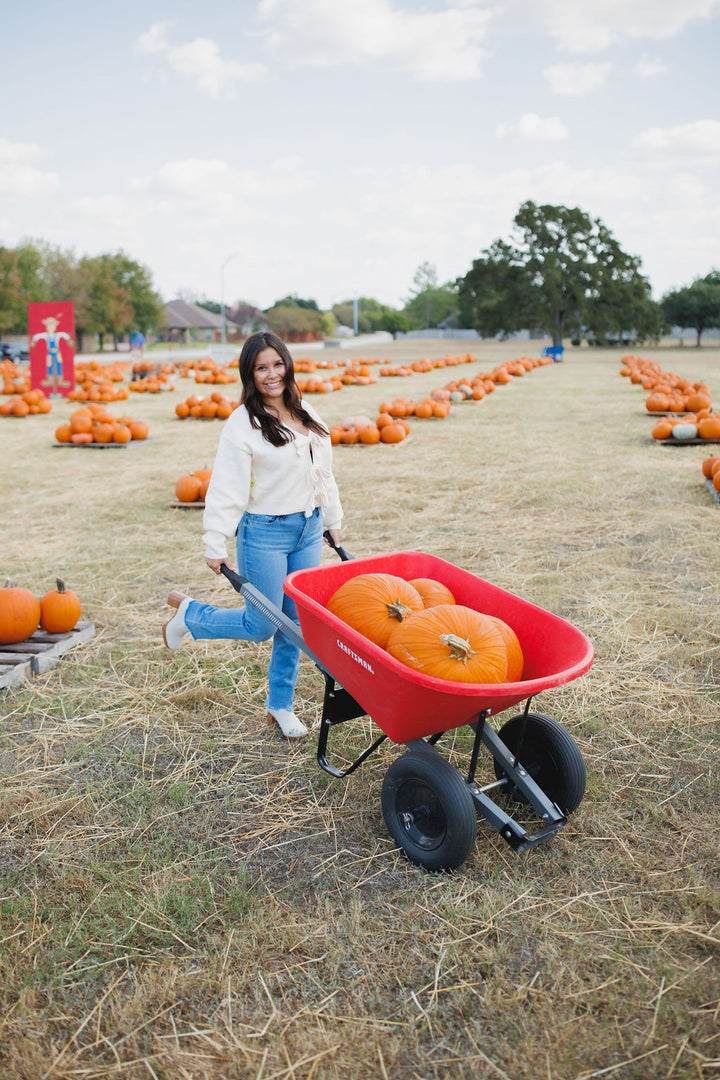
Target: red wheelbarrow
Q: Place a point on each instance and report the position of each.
(430, 808)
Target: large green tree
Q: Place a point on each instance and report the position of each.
(109, 309)
(564, 272)
(135, 282)
(696, 305)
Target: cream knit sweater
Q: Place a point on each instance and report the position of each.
(250, 474)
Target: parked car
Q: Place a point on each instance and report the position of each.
(11, 350)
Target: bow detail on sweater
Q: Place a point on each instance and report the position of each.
(320, 476)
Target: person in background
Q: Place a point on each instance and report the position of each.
(137, 342)
(272, 486)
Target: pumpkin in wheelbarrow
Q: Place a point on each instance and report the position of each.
(452, 642)
(373, 604)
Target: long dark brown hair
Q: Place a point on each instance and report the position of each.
(273, 430)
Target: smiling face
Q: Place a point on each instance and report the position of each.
(269, 375)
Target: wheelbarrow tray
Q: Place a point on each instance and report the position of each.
(407, 704)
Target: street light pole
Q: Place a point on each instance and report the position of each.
(222, 294)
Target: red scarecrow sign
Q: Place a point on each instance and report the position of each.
(51, 330)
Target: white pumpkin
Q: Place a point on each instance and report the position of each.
(684, 431)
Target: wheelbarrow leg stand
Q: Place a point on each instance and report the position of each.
(338, 707)
(510, 830)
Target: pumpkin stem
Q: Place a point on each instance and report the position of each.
(460, 648)
(398, 610)
(60, 585)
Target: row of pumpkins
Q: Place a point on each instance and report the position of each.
(216, 406)
(22, 613)
(420, 624)
(705, 425)
(669, 392)
(29, 403)
(92, 423)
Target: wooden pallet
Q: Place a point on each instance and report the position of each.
(711, 488)
(686, 442)
(23, 659)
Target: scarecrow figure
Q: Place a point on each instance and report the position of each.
(53, 357)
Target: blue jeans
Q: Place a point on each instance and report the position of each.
(269, 547)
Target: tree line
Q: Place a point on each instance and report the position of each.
(112, 293)
(565, 274)
(562, 274)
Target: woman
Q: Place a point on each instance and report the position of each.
(272, 486)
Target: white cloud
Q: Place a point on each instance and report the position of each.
(648, 67)
(576, 79)
(431, 46)
(199, 59)
(200, 187)
(594, 25)
(535, 128)
(154, 39)
(699, 139)
(18, 177)
(379, 221)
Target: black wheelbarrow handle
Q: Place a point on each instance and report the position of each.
(344, 554)
(273, 614)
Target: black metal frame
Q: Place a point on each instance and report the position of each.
(339, 706)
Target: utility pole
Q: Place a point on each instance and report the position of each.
(222, 294)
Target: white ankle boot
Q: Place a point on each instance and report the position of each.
(175, 629)
(287, 721)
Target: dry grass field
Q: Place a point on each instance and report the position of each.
(184, 896)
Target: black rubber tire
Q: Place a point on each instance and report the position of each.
(551, 756)
(428, 810)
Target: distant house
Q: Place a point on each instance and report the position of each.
(186, 323)
(248, 318)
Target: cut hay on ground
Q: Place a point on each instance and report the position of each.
(183, 895)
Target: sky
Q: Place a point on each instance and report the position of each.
(251, 149)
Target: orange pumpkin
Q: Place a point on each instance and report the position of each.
(697, 401)
(452, 642)
(19, 614)
(709, 427)
(516, 661)
(81, 421)
(187, 488)
(393, 433)
(103, 432)
(59, 609)
(707, 466)
(370, 435)
(122, 434)
(433, 592)
(138, 429)
(373, 603)
(663, 429)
